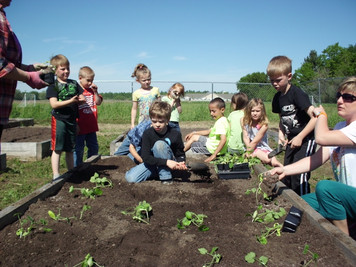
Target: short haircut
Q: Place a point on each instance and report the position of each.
(348, 85)
(59, 60)
(160, 110)
(219, 102)
(240, 100)
(279, 65)
(86, 72)
(140, 70)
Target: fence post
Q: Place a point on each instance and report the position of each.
(212, 91)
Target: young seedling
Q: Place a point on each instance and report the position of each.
(141, 212)
(86, 192)
(258, 190)
(100, 182)
(267, 216)
(251, 258)
(314, 258)
(84, 209)
(58, 217)
(25, 231)
(88, 262)
(269, 231)
(193, 218)
(216, 257)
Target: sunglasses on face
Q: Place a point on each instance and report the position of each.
(346, 97)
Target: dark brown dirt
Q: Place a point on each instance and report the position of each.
(26, 134)
(114, 239)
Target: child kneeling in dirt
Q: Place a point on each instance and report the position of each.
(162, 148)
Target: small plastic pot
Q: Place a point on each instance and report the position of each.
(48, 78)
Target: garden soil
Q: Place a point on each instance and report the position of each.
(115, 239)
(26, 134)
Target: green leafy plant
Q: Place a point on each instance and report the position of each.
(88, 262)
(141, 212)
(100, 182)
(216, 257)
(195, 219)
(267, 216)
(258, 190)
(269, 231)
(24, 230)
(86, 192)
(58, 217)
(84, 209)
(314, 258)
(251, 258)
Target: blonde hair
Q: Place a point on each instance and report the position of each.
(240, 100)
(59, 60)
(247, 120)
(349, 85)
(86, 72)
(177, 86)
(279, 65)
(140, 70)
(160, 110)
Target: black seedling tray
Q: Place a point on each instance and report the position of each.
(242, 174)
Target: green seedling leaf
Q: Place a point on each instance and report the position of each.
(250, 257)
(263, 260)
(52, 215)
(203, 251)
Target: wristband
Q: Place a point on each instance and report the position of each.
(322, 113)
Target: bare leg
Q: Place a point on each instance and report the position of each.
(69, 160)
(55, 158)
(189, 143)
(342, 225)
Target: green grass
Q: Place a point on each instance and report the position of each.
(119, 112)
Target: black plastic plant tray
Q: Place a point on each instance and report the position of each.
(234, 174)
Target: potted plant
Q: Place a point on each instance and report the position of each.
(47, 74)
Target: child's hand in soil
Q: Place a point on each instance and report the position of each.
(174, 165)
(277, 171)
(270, 179)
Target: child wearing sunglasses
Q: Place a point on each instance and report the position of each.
(335, 200)
(296, 127)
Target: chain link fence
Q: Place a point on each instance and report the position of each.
(320, 91)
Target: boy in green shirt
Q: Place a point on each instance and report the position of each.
(213, 141)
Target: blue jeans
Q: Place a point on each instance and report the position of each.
(123, 150)
(174, 125)
(91, 142)
(143, 171)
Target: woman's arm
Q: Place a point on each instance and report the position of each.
(306, 164)
(326, 137)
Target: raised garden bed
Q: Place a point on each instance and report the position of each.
(115, 239)
(26, 143)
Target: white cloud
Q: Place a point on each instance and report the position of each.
(144, 55)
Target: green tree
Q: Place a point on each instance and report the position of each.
(256, 85)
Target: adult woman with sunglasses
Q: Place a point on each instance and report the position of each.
(335, 200)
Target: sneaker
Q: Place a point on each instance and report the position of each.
(275, 152)
(169, 181)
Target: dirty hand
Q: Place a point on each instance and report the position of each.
(94, 87)
(279, 171)
(35, 81)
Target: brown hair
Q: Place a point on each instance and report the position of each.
(86, 72)
(279, 65)
(140, 70)
(160, 110)
(240, 100)
(247, 120)
(59, 60)
(177, 86)
(348, 85)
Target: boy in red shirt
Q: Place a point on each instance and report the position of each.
(88, 117)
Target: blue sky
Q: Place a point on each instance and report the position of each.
(211, 40)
